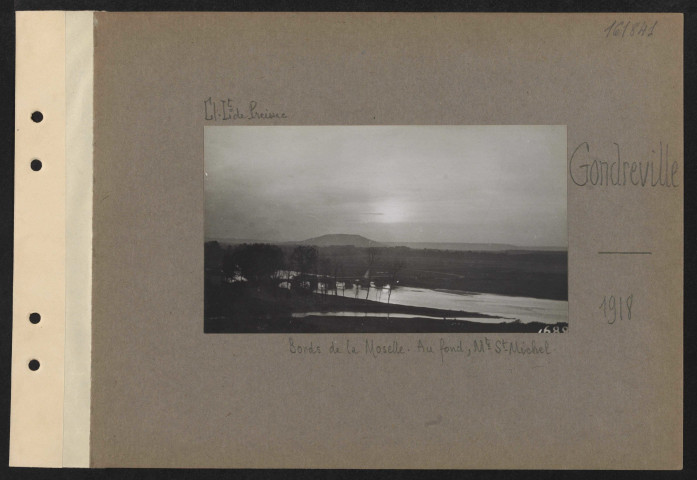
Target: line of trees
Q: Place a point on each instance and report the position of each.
(393, 265)
(262, 264)
(258, 262)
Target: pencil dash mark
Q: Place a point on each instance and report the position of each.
(624, 253)
(438, 420)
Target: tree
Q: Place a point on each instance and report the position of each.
(212, 254)
(257, 262)
(371, 258)
(304, 257)
(336, 271)
(325, 268)
(230, 267)
(395, 266)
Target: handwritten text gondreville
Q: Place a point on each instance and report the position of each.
(658, 169)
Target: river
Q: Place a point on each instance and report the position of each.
(505, 307)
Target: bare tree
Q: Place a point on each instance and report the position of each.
(336, 271)
(396, 266)
(371, 258)
(305, 259)
(325, 266)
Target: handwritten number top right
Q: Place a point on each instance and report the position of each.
(630, 29)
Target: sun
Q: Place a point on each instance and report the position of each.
(391, 211)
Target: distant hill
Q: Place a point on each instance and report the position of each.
(340, 239)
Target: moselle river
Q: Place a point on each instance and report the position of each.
(503, 306)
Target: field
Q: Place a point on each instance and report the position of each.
(536, 274)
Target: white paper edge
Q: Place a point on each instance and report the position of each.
(79, 74)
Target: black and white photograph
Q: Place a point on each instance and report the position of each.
(385, 229)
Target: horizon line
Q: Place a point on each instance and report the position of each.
(387, 243)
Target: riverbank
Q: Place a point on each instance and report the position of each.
(368, 324)
(237, 309)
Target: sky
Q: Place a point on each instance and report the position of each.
(470, 184)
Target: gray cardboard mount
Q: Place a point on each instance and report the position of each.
(164, 394)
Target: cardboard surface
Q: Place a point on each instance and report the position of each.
(609, 395)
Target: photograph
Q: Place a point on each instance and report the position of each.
(385, 229)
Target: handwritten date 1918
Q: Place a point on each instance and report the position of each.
(616, 308)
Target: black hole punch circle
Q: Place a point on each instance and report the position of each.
(37, 116)
(36, 165)
(34, 318)
(34, 365)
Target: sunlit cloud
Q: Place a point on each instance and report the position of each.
(495, 184)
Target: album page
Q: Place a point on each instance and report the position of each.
(350, 240)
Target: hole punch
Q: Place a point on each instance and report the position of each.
(37, 116)
(36, 164)
(34, 318)
(34, 365)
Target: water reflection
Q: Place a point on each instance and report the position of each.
(503, 306)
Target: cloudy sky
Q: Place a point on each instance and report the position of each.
(479, 184)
